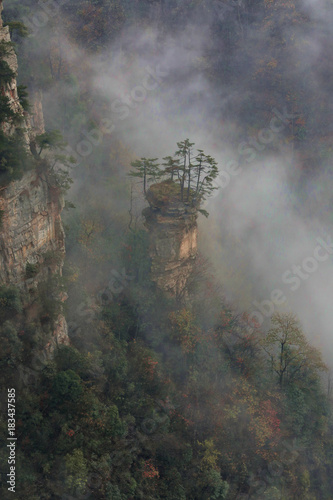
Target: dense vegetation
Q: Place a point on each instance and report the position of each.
(157, 398)
(153, 400)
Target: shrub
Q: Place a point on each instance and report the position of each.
(14, 157)
(11, 346)
(77, 471)
(31, 270)
(23, 96)
(67, 386)
(6, 112)
(6, 73)
(18, 27)
(10, 302)
(53, 258)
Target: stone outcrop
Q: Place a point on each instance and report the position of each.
(31, 232)
(37, 115)
(31, 228)
(10, 89)
(173, 232)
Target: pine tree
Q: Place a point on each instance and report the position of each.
(146, 169)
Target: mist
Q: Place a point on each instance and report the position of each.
(157, 348)
(154, 86)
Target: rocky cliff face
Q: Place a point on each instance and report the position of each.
(10, 89)
(31, 228)
(31, 234)
(173, 233)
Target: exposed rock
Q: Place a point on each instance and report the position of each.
(10, 89)
(37, 115)
(60, 336)
(31, 231)
(173, 233)
(31, 227)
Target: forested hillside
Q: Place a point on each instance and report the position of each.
(167, 386)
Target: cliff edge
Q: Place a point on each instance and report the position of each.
(32, 240)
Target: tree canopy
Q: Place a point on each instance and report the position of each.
(192, 171)
(290, 352)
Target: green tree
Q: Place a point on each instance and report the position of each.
(14, 157)
(192, 175)
(10, 302)
(289, 351)
(23, 97)
(206, 171)
(51, 140)
(17, 27)
(6, 73)
(77, 471)
(6, 112)
(66, 389)
(146, 169)
(172, 166)
(11, 345)
(184, 153)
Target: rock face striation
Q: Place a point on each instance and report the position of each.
(173, 233)
(31, 232)
(31, 228)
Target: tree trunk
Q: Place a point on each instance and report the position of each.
(189, 176)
